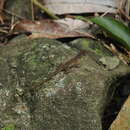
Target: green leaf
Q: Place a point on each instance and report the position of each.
(9, 127)
(115, 28)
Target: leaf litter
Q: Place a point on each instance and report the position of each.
(54, 29)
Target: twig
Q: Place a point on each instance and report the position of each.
(105, 13)
(124, 14)
(114, 50)
(3, 31)
(13, 14)
(32, 10)
(45, 9)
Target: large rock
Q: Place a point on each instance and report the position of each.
(46, 85)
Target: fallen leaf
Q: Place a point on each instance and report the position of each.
(82, 6)
(122, 122)
(54, 29)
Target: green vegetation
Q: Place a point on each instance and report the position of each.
(9, 127)
(116, 29)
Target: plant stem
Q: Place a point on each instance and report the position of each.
(45, 9)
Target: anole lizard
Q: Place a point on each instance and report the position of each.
(73, 62)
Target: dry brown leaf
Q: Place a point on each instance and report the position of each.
(54, 29)
(122, 122)
(82, 6)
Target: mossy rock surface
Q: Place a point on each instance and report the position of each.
(72, 99)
